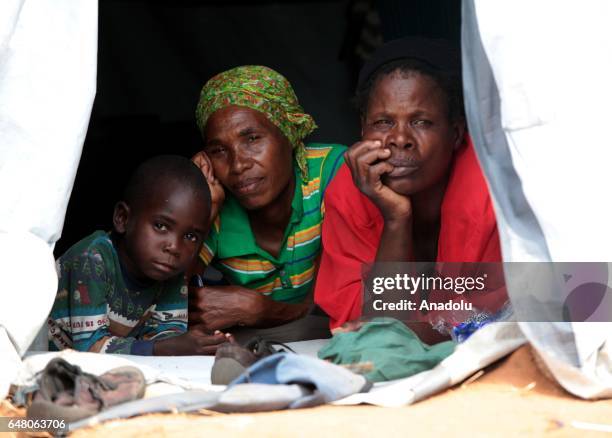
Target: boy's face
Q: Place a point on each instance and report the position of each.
(410, 116)
(161, 236)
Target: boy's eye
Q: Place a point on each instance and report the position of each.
(160, 227)
(192, 237)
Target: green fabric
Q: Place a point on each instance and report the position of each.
(264, 90)
(232, 249)
(394, 350)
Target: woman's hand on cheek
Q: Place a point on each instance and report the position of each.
(217, 193)
(367, 162)
(220, 307)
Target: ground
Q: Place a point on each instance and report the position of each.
(512, 398)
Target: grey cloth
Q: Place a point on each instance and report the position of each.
(240, 398)
(280, 381)
(260, 397)
(322, 381)
(183, 402)
(304, 329)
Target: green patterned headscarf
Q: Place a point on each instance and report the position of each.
(264, 90)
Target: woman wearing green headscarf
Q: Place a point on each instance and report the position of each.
(269, 186)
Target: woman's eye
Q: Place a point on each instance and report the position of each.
(253, 138)
(215, 150)
(382, 122)
(192, 237)
(160, 227)
(421, 123)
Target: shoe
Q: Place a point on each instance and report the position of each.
(231, 360)
(67, 393)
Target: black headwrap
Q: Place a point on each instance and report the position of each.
(439, 54)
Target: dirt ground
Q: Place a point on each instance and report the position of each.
(513, 398)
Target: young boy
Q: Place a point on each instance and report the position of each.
(125, 291)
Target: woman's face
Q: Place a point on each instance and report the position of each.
(250, 156)
(410, 115)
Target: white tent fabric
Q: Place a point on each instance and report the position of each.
(170, 375)
(48, 56)
(537, 88)
(181, 372)
(538, 117)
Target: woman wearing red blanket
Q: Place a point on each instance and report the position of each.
(412, 189)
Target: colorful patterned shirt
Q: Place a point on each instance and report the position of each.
(99, 308)
(231, 247)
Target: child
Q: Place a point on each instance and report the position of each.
(125, 291)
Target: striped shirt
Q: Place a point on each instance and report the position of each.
(231, 247)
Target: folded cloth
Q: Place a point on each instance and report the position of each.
(280, 381)
(260, 397)
(322, 381)
(394, 350)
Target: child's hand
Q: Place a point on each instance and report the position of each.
(216, 189)
(193, 343)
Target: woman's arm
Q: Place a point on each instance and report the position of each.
(219, 307)
(350, 235)
(217, 193)
(366, 162)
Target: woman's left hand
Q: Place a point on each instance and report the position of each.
(220, 307)
(217, 193)
(367, 161)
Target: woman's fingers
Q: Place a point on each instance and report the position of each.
(217, 193)
(203, 162)
(367, 161)
(363, 147)
(364, 159)
(376, 171)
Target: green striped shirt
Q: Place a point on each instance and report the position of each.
(231, 247)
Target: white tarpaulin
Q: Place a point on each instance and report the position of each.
(171, 375)
(538, 92)
(182, 372)
(48, 52)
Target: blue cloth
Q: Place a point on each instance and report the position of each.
(461, 332)
(142, 348)
(327, 382)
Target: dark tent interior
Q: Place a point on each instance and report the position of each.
(154, 57)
